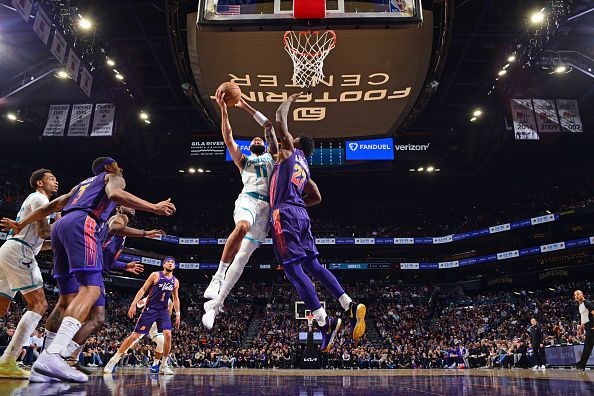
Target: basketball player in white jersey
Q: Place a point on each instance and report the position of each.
(252, 207)
(19, 271)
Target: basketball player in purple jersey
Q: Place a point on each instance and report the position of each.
(160, 286)
(291, 191)
(77, 238)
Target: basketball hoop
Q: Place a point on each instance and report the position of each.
(310, 319)
(308, 51)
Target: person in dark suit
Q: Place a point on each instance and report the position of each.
(586, 309)
(537, 344)
(5, 338)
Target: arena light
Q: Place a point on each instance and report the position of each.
(208, 171)
(437, 170)
(62, 74)
(147, 121)
(502, 72)
(110, 62)
(551, 289)
(538, 17)
(200, 170)
(181, 171)
(412, 170)
(511, 58)
(477, 113)
(85, 23)
(420, 169)
(473, 119)
(192, 170)
(143, 115)
(12, 116)
(119, 77)
(560, 69)
(430, 169)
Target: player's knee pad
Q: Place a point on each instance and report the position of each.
(160, 341)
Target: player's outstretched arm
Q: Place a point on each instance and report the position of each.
(40, 213)
(117, 226)
(176, 304)
(311, 194)
(234, 150)
(115, 192)
(151, 280)
(282, 119)
(264, 122)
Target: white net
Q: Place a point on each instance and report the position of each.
(308, 51)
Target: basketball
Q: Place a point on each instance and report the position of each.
(232, 93)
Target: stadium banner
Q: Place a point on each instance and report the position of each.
(499, 228)
(58, 48)
(150, 261)
(42, 25)
(543, 219)
(208, 149)
(23, 7)
(103, 120)
(86, 81)
(73, 65)
(566, 355)
(409, 266)
(524, 122)
(569, 115)
(443, 239)
(508, 255)
(370, 150)
(80, 119)
(56, 120)
(208, 241)
(325, 241)
(546, 115)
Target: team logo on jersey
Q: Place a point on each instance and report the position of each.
(27, 264)
(166, 286)
(142, 328)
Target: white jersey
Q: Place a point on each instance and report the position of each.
(28, 234)
(256, 175)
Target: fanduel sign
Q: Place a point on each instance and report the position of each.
(370, 150)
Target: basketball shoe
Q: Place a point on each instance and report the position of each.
(53, 365)
(211, 309)
(214, 288)
(356, 313)
(329, 332)
(10, 369)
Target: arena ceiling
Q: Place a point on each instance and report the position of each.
(138, 35)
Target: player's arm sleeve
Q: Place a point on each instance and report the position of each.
(118, 265)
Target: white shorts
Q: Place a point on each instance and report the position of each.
(153, 332)
(256, 212)
(18, 269)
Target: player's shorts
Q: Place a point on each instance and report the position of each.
(77, 239)
(69, 284)
(150, 316)
(19, 271)
(255, 211)
(291, 234)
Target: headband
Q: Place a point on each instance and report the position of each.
(99, 169)
(170, 258)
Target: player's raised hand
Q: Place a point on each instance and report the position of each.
(295, 96)
(132, 311)
(220, 98)
(164, 208)
(10, 224)
(134, 267)
(153, 233)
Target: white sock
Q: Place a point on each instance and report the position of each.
(77, 352)
(22, 333)
(116, 358)
(220, 274)
(345, 301)
(68, 329)
(71, 347)
(164, 360)
(236, 269)
(320, 316)
(49, 338)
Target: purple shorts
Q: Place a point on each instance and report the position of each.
(76, 241)
(292, 238)
(151, 315)
(69, 284)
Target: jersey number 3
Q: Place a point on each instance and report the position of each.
(299, 176)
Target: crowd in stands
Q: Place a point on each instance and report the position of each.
(409, 326)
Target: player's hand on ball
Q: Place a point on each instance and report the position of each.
(153, 233)
(135, 267)
(132, 311)
(164, 208)
(7, 224)
(220, 98)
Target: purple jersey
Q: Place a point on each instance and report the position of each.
(160, 293)
(91, 198)
(112, 248)
(288, 180)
